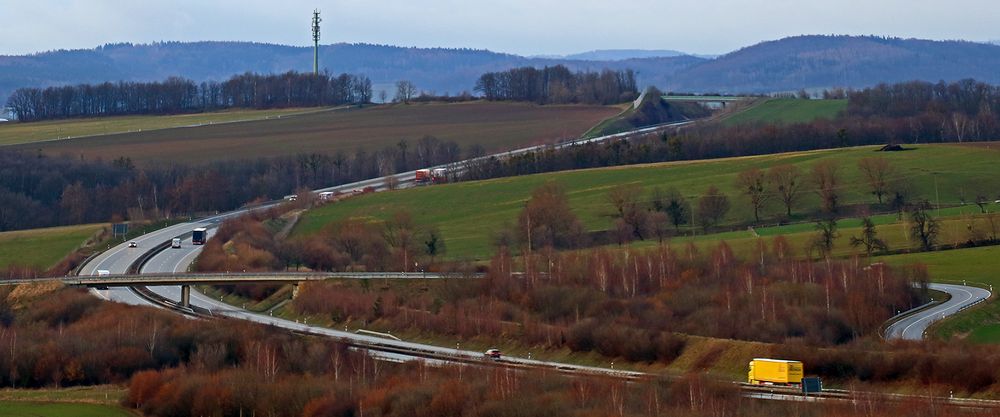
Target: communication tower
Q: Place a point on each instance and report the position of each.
(315, 29)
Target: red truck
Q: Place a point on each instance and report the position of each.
(436, 176)
(422, 176)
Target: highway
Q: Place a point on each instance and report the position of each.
(175, 260)
(913, 326)
(118, 259)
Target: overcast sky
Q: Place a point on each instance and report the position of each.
(526, 27)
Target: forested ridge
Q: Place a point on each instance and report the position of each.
(781, 65)
(178, 95)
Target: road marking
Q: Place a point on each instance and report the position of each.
(942, 309)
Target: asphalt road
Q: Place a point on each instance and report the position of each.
(178, 260)
(117, 260)
(912, 327)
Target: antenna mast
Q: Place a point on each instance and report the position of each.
(315, 29)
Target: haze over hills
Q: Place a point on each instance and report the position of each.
(841, 61)
(781, 65)
(623, 54)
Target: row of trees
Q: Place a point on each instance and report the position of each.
(39, 191)
(558, 85)
(967, 97)
(178, 95)
(547, 219)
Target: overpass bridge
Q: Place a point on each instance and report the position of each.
(187, 279)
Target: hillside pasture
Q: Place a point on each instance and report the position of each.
(43, 248)
(495, 126)
(470, 214)
(973, 266)
(788, 110)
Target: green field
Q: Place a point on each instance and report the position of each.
(495, 126)
(43, 248)
(30, 409)
(15, 133)
(89, 401)
(976, 266)
(469, 214)
(788, 110)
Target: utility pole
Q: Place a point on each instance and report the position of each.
(315, 29)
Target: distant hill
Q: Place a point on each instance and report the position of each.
(783, 65)
(623, 54)
(840, 61)
(432, 69)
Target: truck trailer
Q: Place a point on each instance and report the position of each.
(774, 372)
(199, 235)
(422, 176)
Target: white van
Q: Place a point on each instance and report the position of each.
(176, 243)
(103, 272)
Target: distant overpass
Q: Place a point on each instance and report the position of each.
(714, 102)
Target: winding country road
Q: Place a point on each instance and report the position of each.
(913, 326)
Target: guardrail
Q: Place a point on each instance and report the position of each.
(884, 329)
(145, 293)
(128, 280)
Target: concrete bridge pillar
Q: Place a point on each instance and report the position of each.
(185, 295)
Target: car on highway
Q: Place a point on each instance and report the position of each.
(175, 243)
(133, 244)
(492, 354)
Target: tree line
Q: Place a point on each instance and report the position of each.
(558, 85)
(179, 95)
(38, 190)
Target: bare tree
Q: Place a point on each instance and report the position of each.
(660, 222)
(982, 199)
(787, 181)
(826, 178)
(923, 228)
(900, 194)
(625, 200)
(751, 183)
(960, 125)
(405, 91)
(672, 203)
(547, 220)
(825, 237)
(878, 172)
(869, 238)
(712, 207)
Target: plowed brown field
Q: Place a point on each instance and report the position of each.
(495, 126)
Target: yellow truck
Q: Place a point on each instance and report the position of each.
(774, 372)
